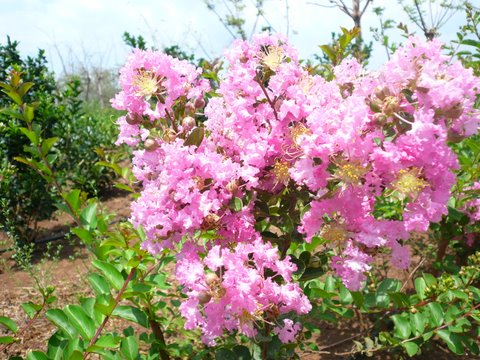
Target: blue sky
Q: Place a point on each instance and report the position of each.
(89, 32)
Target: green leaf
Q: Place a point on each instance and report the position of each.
(14, 96)
(56, 346)
(420, 287)
(225, 354)
(328, 50)
(195, 137)
(31, 135)
(76, 355)
(9, 324)
(99, 284)
(60, 320)
(436, 312)
(452, 340)
(37, 355)
(7, 339)
(88, 216)
(132, 314)
(83, 234)
(108, 341)
(24, 87)
(47, 144)
(73, 198)
(124, 187)
(29, 113)
(237, 204)
(311, 273)
(429, 279)
(388, 286)
(80, 320)
(129, 348)
(411, 348)
(31, 309)
(113, 276)
(402, 326)
(242, 352)
(418, 321)
(12, 113)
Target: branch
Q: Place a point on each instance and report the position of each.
(104, 323)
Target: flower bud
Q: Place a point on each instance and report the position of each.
(133, 119)
(188, 122)
(204, 297)
(190, 108)
(199, 103)
(232, 186)
(150, 144)
(169, 136)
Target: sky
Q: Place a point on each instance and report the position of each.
(78, 33)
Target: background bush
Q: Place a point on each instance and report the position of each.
(24, 195)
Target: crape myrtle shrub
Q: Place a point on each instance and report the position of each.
(278, 194)
(282, 158)
(24, 194)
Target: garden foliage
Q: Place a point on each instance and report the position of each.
(277, 193)
(25, 196)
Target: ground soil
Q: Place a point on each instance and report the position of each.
(68, 272)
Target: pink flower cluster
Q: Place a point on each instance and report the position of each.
(240, 296)
(357, 144)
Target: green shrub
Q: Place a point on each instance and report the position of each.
(24, 194)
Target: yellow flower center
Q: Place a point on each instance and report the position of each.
(351, 172)
(280, 171)
(147, 84)
(408, 182)
(297, 131)
(334, 232)
(272, 57)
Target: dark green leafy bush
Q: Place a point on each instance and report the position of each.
(25, 196)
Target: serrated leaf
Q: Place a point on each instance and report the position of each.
(110, 272)
(132, 314)
(60, 320)
(80, 320)
(9, 324)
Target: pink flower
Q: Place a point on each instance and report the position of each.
(288, 331)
